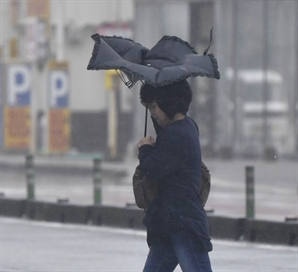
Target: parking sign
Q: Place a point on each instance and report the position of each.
(19, 84)
(17, 123)
(59, 88)
(59, 130)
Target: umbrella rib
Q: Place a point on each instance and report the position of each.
(207, 49)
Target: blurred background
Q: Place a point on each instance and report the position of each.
(51, 104)
(52, 107)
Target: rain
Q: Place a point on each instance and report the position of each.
(68, 135)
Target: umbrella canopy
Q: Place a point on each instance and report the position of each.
(170, 60)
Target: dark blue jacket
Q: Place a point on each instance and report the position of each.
(175, 162)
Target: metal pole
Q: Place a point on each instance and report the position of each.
(295, 104)
(113, 114)
(30, 177)
(97, 180)
(250, 192)
(60, 53)
(234, 88)
(265, 54)
(296, 94)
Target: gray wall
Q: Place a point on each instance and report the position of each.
(246, 41)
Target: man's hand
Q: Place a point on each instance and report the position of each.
(146, 141)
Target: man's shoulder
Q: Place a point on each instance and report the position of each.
(179, 129)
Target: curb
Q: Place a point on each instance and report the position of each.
(258, 231)
(276, 232)
(226, 227)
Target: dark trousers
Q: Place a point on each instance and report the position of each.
(181, 250)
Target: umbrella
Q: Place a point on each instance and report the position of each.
(171, 59)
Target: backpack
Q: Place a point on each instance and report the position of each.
(145, 190)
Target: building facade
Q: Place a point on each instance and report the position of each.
(254, 43)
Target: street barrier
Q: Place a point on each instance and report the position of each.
(97, 180)
(225, 227)
(247, 229)
(54, 212)
(261, 231)
(117, 217)
(12, 207)
(250, 192)
(30, 177)
(220, 227)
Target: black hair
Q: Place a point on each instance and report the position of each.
(171, 99)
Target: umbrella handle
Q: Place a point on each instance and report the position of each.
(206, 50)
(146, 115)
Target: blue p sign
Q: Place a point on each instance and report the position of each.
(59, 89)
(19, 84)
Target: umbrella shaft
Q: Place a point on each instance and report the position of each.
(146, 115)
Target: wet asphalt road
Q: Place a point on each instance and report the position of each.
(30, 246)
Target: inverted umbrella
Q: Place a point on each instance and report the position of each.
(171, 59)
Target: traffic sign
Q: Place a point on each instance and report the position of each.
(19, 84)
(59, 88)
